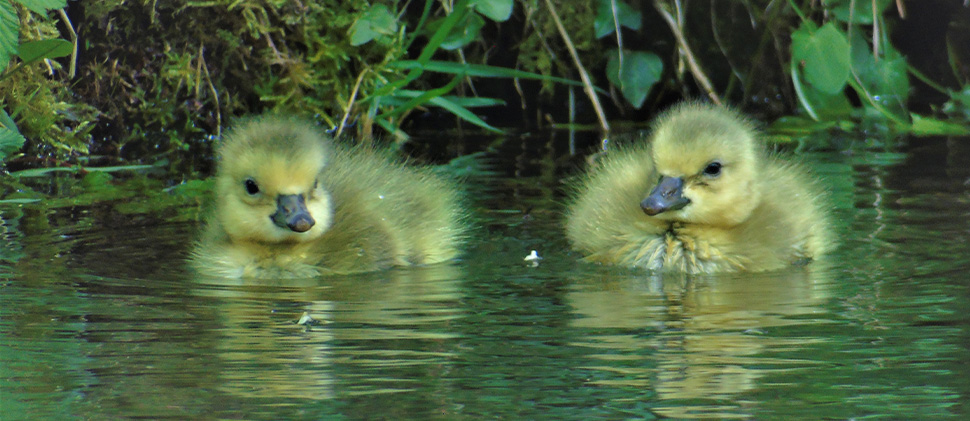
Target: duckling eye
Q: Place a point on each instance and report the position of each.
(251, 186)
(713, 169)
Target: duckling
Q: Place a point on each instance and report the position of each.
(702, 196)
(289, 202)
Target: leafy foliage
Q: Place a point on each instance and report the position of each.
(10, 138)
(376, 21)
(823, 55)
(9, 32)
(606, 19)
(827, 60)
(28, 51)
(154, 79)
(638, 73)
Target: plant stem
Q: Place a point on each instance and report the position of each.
(70, 28)
(350, 103)
(695, 68)
(212, 88)
(798, 11)
(929, 82)
(587, 85)
(619, 38)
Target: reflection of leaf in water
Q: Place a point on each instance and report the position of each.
(473, 164)
(130, 194)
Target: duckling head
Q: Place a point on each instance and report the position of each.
(268, 187)
(707, 163)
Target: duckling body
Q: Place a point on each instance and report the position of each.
(701, 196)
(291, 203)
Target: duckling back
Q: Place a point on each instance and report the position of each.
(700, 196)
(387, 213)
(292, 203)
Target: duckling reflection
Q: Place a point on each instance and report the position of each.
(700, 197)
(698, 341)
(361, 320)
(291, 203)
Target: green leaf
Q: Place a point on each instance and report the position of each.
(440, 30)
(473, 102)
(38, 172)
(959, 104)
(464, 32)
(824, 56)
(18, 201)
(10, 138)
(819, 105)
(5, 121)
(462, 113)
(626, 15)
(419, 99)
(639, 72)
(467, 102)
(42, 6)
(928, 126)
(48, 48)
(884, 81)
(376, 21)
(9, 33)
(396, 132)
(479, 70)
(406, 99)
(862, 14)
(10, 142)
(496, 10)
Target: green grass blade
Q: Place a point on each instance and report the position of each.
(38, 172)
(421, 99)
(463, 113)
(467, 102)
(480, 70)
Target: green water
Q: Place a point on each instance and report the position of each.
(100, 321)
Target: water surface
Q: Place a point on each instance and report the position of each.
(99, 320)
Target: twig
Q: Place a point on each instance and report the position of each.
(212, 88)
(587, 85)
(350, 104)
(468, 79)
(518, 88)
(198, 74)
(619, 37)
(695, 68)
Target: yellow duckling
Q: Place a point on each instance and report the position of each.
(291, 203)
(701, 197)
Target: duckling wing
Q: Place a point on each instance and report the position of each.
(387, 213)
(791, 224)
(603, 216)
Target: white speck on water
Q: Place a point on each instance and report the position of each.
(533, 258)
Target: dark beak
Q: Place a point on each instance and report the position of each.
(667, 196)
(291, 212)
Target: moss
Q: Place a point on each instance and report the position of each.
(182, 78)
(42, 106)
